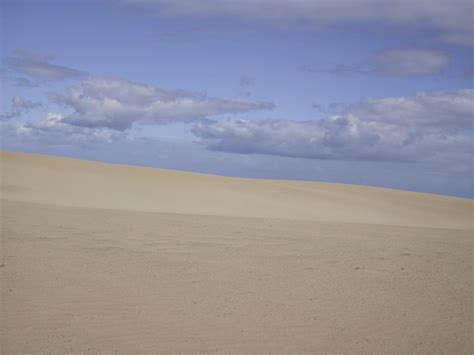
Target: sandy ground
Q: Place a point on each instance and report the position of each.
(99, 258)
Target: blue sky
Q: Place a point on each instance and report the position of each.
(375, 92)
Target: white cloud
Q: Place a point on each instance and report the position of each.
(52, 131)
(428, 126)
(118, 104)
(442, 109)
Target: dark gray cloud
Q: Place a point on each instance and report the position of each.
(39, 67)
(428, 126)
(118, 104)
(450, 19)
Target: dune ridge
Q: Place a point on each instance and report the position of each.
(77, 183)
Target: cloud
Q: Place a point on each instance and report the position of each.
(462, 39)
(52, 131)
(350, 69)
(19, 106)
(246, 80)
(9, 116)
(117, 104)
(397, 62)
(450, 19)
(245, 83)
(410, 62)
(442, 109)
(21, 103)
(428, 126)
(469, 73)
(209, 30)
(24, 82)
(39, 66)
(332, 108)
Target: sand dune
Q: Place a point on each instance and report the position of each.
(69, 182)
(98, 258)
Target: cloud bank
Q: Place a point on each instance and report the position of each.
(429, 126)
(450, 19)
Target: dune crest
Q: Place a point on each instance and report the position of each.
(76, 183)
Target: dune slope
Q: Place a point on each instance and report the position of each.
(107, 259)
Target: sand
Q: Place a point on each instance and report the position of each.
(100, 258)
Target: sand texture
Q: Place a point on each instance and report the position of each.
(99, 258)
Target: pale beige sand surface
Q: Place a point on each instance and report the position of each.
(99, 258)
(69, 182)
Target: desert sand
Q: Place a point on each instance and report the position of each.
(100, 258)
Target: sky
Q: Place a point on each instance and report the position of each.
(371, 92)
